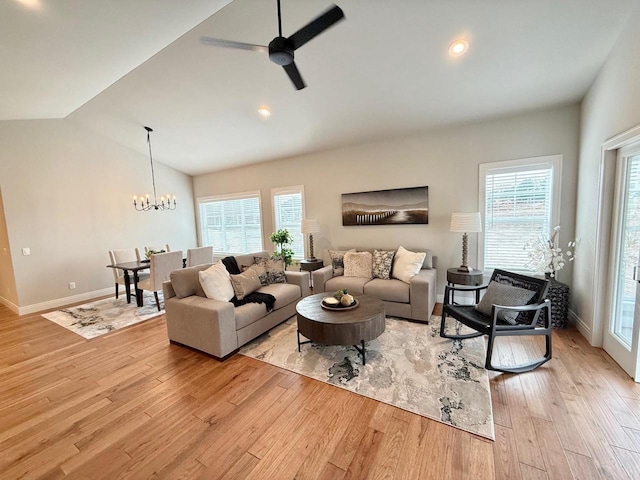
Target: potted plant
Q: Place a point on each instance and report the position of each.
(282, 238)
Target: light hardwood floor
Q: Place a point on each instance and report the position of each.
(129, 405)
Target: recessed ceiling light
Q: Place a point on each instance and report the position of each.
(34, 4)
(459, 47)
(264, 111)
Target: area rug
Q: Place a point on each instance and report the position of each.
(409, 366)
(103, 316)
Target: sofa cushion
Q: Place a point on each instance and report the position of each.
(260, 269)
(249, 313)
(285, 293)
(352, 284)
(186, 281)
(382, 262)
(274, 267)
(245, 283)
(388, 290)
(358, 264)
(216, 283)
(406, 264)
(337, 261)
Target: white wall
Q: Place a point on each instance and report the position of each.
(446, 160)
(611, 106)
(7, 282)
(67, 196)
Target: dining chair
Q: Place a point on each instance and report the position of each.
(161, 265)
(199, 256)
(156, 248)
(122, 256)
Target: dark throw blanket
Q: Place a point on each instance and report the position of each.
(255, 297)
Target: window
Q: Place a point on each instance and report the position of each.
(231, 223)
(288, 212)
(519, 201)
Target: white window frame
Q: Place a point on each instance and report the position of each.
(231, 196)
(288, 191)
(523, 164)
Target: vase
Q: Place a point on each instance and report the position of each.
(558, 295)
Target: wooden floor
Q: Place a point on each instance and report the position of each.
(129, 405)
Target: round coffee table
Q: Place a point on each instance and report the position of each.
(340, 327)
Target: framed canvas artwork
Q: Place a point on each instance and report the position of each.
(386, 207)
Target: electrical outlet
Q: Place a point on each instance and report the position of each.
(72, 285)
(26, 251)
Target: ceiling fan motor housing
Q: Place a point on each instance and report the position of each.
(280, 52)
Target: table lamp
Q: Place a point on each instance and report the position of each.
(465, 223)
(310, 226)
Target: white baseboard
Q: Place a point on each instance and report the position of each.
(582, 327)
(10, 305)
(59, 302)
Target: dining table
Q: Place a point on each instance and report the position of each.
(129, 268)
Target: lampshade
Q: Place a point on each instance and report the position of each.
(466, 222)
(310, 226)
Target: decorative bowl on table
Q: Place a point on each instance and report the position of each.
(332, 303)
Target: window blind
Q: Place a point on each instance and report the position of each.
(232, 224)
(288, 214)
(518, 205)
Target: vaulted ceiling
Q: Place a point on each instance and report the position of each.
(114, 66)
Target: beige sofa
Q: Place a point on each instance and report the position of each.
(414, 301)
(218, 328)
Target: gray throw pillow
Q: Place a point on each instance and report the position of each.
(382, 262)
(507, 295)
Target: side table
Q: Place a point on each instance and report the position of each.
(473, 278)
(310, 266)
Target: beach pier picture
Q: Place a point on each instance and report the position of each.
(386, 207)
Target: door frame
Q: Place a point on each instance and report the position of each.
(610, 341)
(604, 224)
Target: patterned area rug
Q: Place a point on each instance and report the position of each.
(409, 366)
(103, 316)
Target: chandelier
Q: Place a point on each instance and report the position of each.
(168, 203)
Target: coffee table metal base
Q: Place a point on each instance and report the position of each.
(362, 350)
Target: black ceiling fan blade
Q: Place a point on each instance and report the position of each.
(294, 75)
(316, 27)
(218, 42)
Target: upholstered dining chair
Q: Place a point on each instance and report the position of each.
(513, 305)
(123, 256)
(161, 265)
(156, 248)
(199, 256)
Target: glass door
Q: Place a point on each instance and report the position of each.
(622, 335)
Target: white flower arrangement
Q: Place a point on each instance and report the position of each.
(545, 256)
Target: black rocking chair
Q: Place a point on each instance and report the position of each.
(536, 310)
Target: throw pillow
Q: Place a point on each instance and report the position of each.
(260, 269)
(406, 264)
(245, 283)
(337, 261)
(274, 268)
(358, 264)
(382, 262)
(507, 295)
(216, 283)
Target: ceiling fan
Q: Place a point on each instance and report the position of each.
(281, 49)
